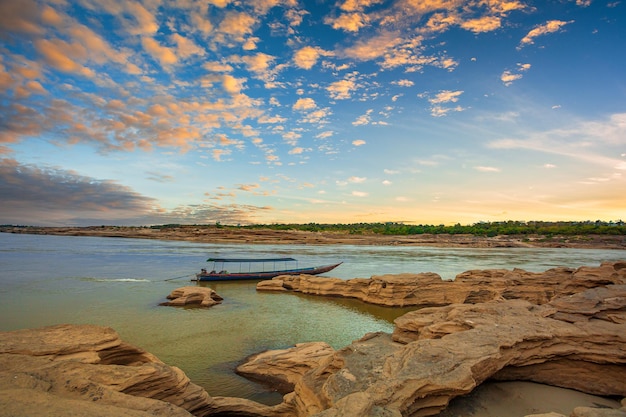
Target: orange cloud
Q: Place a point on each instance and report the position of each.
(306, 57)
(549, 27)
(186, 47)
(231, 84)
(57, 53)
(350, 22)
(342, 89)
(161, 53)
(237, 24)
(20, 16)
(483, 24)
(304, 104)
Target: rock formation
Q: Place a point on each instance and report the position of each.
(436, 354)
(193, 295)
(90, 371)
(475, 286)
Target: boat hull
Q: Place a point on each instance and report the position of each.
(240, 276)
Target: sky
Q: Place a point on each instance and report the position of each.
(124, 112)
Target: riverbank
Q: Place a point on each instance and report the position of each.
(295, 237)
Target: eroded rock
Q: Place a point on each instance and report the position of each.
(90, 371)
(470, 287)
(193, 295)
(438, 353)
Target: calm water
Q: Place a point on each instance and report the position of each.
(49, 280)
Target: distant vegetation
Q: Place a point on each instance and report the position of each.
(510, 227)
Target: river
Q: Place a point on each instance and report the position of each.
(119, 283)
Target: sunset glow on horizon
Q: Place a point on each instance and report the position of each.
(283, 111)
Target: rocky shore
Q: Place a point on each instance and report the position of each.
(268, 236)
(564, 327)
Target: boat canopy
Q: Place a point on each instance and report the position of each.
(240, 260)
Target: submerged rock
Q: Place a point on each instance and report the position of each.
(193, 295)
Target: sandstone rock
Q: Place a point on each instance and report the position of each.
(275, 284)
(87, 370)
(193, 295)
(283, 368)
(470, 287)
(436, 354)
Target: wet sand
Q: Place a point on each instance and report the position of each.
(269, 236)
(519, 399)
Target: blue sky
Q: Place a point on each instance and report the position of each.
(238, 112)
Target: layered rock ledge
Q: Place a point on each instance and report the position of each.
(88, 370)
(438, 353)
(470, 287)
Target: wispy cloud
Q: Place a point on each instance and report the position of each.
(487, 169)
(551, 26)
(582, 141)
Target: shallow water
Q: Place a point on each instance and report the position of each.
(120, 282)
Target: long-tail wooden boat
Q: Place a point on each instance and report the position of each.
(248, 269)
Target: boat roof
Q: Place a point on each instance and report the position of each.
(250, 259)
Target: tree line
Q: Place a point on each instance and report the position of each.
(510, 227)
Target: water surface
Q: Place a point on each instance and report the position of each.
(119, 282)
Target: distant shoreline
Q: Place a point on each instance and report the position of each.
(295, 237)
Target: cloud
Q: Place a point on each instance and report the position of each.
(58, 54)
(306, 57)
(357, 180)
(363, 119)
(248, 187)
(185, 47)
(582, 140)
(508, 77)
(218, 153)
(482, 24)
(325, 134)
(487, 169)
(237, 25)
(403, 83)
(231, 84)
(548, 27)
(20, 17)
(30, 193)
(349, 22)
(341, 90)
(296, 151)
(163, 54)
(360, 193)
(258, 63)
(446, 96)
(304, 104)
(358, 142)
(373, 47)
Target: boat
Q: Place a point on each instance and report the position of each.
(250, 269)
